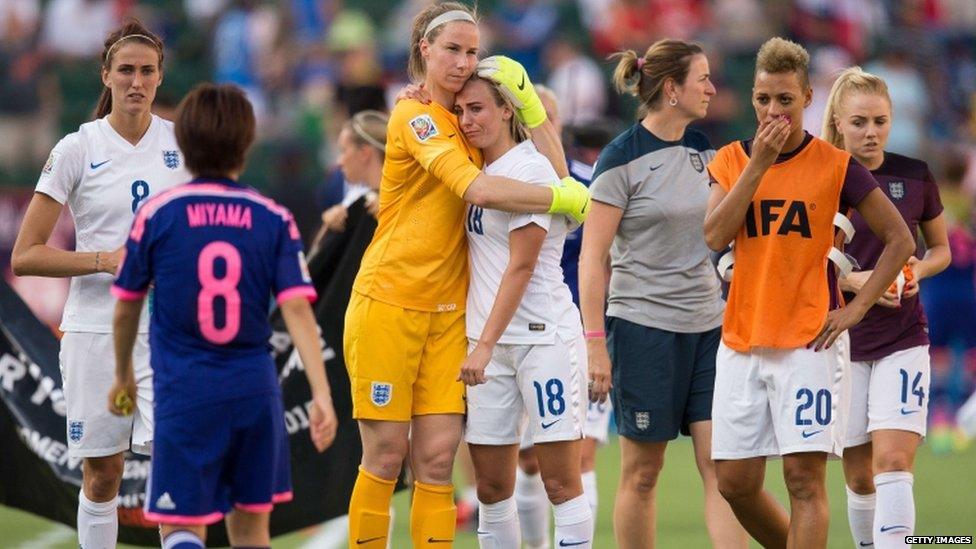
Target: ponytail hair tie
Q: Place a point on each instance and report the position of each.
(640, 63)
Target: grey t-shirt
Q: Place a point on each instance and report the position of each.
(662, 275)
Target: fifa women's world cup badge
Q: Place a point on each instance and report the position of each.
(423, 127)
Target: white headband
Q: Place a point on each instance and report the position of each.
(447, 17)
(126, 37)
(358, 128)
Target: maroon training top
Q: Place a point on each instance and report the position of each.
(909, 185)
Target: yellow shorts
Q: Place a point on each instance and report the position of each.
(403, 363)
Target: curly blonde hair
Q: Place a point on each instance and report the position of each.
(779, 55)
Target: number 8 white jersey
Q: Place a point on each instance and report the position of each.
(103, 179)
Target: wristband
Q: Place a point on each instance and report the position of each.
(595, 334)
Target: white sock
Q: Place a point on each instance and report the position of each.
(590, 491)
(860, 516)
(894, 516)
(182, 539)
(533, 510)
(574, 523)
(498, 525)
(98, 523)
(470, 495)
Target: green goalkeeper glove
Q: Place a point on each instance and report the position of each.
(570, 197)
(514, 83)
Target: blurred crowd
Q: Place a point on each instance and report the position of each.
(307, 65)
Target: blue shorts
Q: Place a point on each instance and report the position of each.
(208, 460)
(662, 381)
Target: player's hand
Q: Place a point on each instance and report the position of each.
(473, 369)
(334, 219)
(514, 83)
(911, 277)
(108, 262)
(769, 141)
(889, 299)
(837, 322)
(414, 91)
(855, 281)
(322, 421)
(599, 369)
(122, 397)
(570, 197)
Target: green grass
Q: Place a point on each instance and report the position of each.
(945, 494)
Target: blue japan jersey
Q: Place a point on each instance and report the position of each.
(215, 252)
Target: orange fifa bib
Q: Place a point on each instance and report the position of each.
(779, 295)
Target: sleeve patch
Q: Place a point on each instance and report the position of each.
(423, 127)
(52, 159)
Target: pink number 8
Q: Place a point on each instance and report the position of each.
(212, 287)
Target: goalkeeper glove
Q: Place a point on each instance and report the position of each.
(514, 83)
(570, 197)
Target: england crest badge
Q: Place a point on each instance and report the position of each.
(697, 162)
(381, 393)
(171, 159)
(643, 420)
(896, 189)
(76, 430)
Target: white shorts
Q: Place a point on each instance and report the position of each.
(889, 393)
(88, 373)
(773, 402)
(597, 424)
(541, 385)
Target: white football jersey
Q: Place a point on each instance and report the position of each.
(103, 178)
(547, 305)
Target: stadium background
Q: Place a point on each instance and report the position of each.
(308, 64)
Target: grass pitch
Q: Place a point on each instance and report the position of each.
(945, 495)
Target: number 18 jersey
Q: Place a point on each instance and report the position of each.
(215, 251)
(546, 308)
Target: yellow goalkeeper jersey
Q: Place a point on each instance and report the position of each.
(418, 258)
